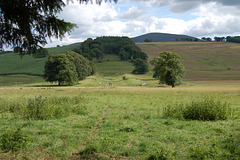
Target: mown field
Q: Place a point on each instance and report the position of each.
(118, 123)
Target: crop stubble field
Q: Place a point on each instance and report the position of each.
(121, 123)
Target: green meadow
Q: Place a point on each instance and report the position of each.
(40, 120)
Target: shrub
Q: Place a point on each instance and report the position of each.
(13, 141)
(205, 110)
(37, 109)
(124, 78)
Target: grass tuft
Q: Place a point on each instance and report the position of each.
(205, 110)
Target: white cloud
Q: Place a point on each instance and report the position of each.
(132, 19)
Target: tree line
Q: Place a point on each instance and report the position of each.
(235, 39)
(124, 47)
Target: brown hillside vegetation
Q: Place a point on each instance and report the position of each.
(202, 60)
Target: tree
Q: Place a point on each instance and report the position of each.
(168, 68)
(148, 40)
(141, 66)
(82, 65)
(58, 68)
(29, 23)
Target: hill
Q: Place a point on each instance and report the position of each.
(161, 37)
(202, 60)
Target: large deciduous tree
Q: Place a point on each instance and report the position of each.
(67, 68)
(141, 66)
(168, 68)
(29, 23)
(59, 68)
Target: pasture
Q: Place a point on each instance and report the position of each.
(126, 121)
(120, 123)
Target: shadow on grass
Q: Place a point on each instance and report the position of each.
(49, 85)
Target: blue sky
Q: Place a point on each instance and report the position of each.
(199, 18)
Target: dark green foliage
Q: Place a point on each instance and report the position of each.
(28, 24)
(205, 110)
(13, 141)
(67, 68)
(83, 67)
(207, 39)
(235, 39)
(219, 39)
(168, 68)
(148, 40)
(59, 68)
(40, 53)
(141, 66)
(122, 46)
(124, 78)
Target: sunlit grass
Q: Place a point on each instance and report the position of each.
(121, 122)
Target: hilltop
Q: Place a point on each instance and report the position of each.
(162, 37)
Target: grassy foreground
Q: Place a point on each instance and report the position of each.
(120, 123)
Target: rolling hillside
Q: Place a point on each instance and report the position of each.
(203, 60)
(161, 37)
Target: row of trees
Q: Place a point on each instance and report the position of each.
(67, 69)
(37, 53)
(235, 39)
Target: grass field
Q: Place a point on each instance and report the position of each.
(126, 121)
(120, 123)
(203, 60)
(12, 63)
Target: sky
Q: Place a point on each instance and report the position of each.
(198, 18)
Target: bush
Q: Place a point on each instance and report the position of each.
(13, 141)
(205, 110)
(37, 109)
(124, 78)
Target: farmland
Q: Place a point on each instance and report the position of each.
(120, 123)
(126, 121)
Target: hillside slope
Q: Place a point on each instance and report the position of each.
(161, 37)
(203, 60)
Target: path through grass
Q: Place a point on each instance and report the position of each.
(122, 123)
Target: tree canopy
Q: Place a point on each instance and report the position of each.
(67, 68)
(29, 23)
(141, 66)
(122, 46)
(168, 68)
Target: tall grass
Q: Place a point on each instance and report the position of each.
(205, 110)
